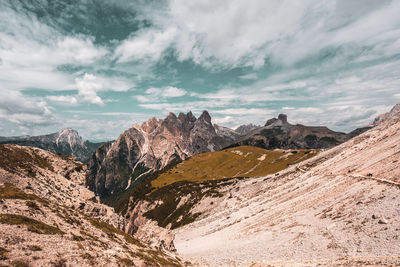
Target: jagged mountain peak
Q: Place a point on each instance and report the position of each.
(152, 146)
(205, 116)
(282, 119)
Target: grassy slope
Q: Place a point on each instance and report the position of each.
(243, 161)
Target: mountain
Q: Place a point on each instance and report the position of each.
(395, 111)
(142, 150)
(49, 218)
(65, 142)
(338, 208)
(246, 128)
(227, 133)
(278, 133)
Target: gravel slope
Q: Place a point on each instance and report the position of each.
(341, 207)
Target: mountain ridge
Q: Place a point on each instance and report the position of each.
(153, 145)
(65, 142)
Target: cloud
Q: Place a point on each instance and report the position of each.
(63, 100)
(22, 111)
(88, 86)
(237, 33)
(160, 94)
(145, 45)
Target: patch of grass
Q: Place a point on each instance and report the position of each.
(111, 231)
(89, 258)
(155, 258)
(9, 191)
(35, 248)
(77, 238)
(243, 161)
(125, 262)
(16, 160)
(3, 253)
(32, 205)
(59, 263)
(32, 224)
(167, 212)
(19, 263)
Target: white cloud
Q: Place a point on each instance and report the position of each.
(63, 100)
(88, 86)
(234, 33)
(160, 94)
(148, 44)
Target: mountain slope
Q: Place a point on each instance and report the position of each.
(142, 150)
(48, 218)
(395, 111)
(278, 133)
(235, 162)
(246, 128)
(340, 207)
(65, 142)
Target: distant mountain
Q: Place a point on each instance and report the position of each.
(278, 133)
(142, 150)
(386, 116)
(246, 128)
(227, 133)
(65, 142)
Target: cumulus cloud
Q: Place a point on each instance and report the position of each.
(88, 86)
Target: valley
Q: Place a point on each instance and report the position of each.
(240, 205)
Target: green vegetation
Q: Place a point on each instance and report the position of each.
(3, 253)
(9, 191)
(111, 231)
(35, 248)
(167, 211)
(243, 161)
(125, 262)
(15, 160)
(32, 205)
(33, 225)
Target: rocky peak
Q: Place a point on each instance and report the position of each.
(246, 128)
(152, 147)
(395, 111)
(205, 116)
(283, 118)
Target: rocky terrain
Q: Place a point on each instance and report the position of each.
(338, 208)
(48, 218)
(395, 111)
(279, 133)
(142, 150)
(65, 142)
(246, 128)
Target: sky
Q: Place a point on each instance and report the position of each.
(102, 66)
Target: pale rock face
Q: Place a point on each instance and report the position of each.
(152, 146)
(386, 116)
(65, 142)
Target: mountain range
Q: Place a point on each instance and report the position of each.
(278, 133)
(181, 190)
(65, 142)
